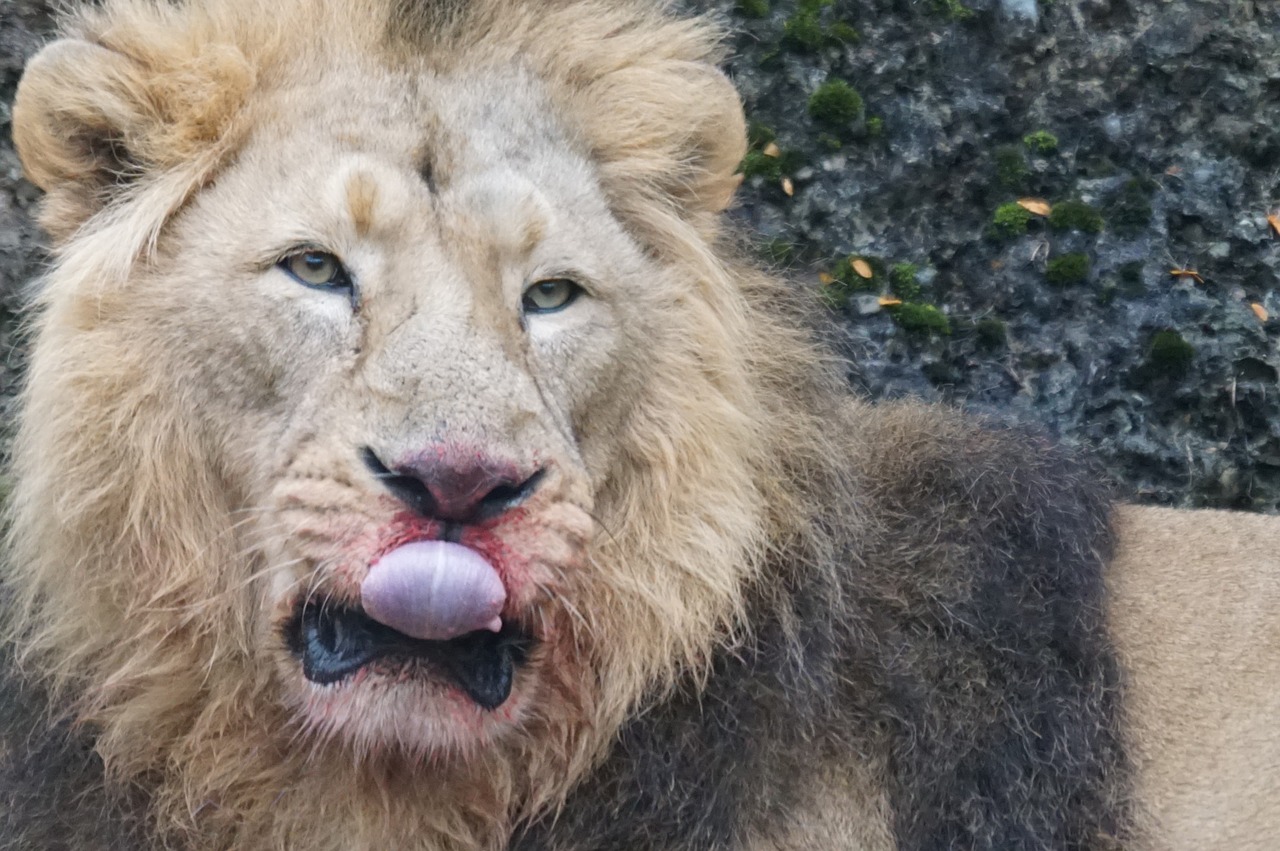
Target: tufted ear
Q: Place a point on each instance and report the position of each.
(676, 126)
(88, 121)
(78, 117)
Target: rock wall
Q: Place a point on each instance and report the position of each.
(1131, 303)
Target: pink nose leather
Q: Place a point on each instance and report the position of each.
(434, 590)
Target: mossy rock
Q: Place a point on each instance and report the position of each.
(753, 8)
(1009, 221)
(1170, 355)
(1011, 167)
(990, 334)
(902, 281)
(835, 104)
(759, 164)
(924, 319)
(1130, 211)
(760, 134)
(842, 32)
(952, 10)
(1131, 284)
(803, 32)
(848, 277)
(1067, 269)
(1041, 142)
(1075, 215)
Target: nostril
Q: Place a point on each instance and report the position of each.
(410, 490)
(507, 496)
(466, 492)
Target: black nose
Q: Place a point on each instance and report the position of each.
(466, 491)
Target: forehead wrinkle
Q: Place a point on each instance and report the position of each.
(376, 199)
(362, 197)
(493, 224)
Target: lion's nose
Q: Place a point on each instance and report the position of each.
(439, 487)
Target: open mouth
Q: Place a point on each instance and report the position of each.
(334, 641)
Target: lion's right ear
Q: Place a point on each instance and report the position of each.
(89, 120)
(79, 121)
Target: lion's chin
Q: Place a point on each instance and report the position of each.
(379, 689)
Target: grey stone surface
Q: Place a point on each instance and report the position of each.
(1167, 116)
(1167, 120)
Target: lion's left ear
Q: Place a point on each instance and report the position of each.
(672, 126)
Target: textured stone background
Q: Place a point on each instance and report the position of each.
(1167, 120)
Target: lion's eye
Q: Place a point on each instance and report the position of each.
(550, 295)
(317, 269)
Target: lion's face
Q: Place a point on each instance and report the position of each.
(389, 396)
(394, 316)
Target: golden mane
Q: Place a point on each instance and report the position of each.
(133, 578)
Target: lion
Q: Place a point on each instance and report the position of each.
(409, 458)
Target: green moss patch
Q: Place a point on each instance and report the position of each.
(1067, 269)
(760, 134)
(1169, 354)
(1130, 212)
(841, 32)
(990, 334)
(902, 281)
(848, 278)
(836, 104)
(1011, 167)
(1010, 221)
(1131, 283)
(1041, 142)
(921, 319)
(753, 8)
(953, 10)
(1075, 215)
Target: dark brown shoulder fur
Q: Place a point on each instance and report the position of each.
(52, 794)
(960, 638)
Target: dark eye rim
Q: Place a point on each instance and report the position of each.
(342, 281)
(575, 291)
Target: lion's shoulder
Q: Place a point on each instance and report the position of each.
(956, 637)
(52, 790)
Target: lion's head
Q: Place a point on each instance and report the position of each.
(395, 423)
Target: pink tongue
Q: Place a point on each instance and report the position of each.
(434, 590)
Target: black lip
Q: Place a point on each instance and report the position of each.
(334, 641)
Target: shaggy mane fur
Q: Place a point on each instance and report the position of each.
(767, 580)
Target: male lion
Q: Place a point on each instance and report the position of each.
(407, 461)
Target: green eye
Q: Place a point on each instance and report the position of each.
(550, 295)
(317, 269)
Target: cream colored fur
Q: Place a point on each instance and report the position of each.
(1194, 613)
(188, 458)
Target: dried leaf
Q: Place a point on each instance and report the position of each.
(1035, 205)
(772, 150)
(888, 301)
(862, 267)
(1187, 273)
(788, 187)
(1274, 219)
(1259, 311)
(826, 278)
